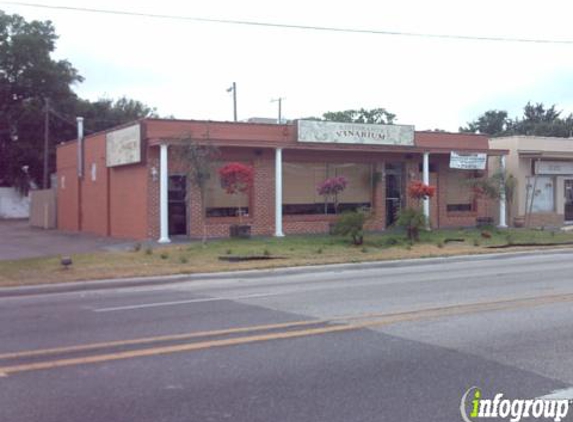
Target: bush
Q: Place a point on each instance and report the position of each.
(137, 247)
(412, 220)
(164, 255)
(183, 259)
(148, 250)
(351, 223)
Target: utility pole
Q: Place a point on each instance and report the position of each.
(234, 89)
(46, 141)
(280, 101)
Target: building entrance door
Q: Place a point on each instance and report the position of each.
(394, 191)
(569, 200)
(177, 205)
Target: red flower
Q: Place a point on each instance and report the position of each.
(236, 178)
(419, 190)
(332, 186)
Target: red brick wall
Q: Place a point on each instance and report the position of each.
(124, 201)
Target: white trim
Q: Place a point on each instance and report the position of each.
(426, 180)
(163, 192)
(279, 193)
(502, 197)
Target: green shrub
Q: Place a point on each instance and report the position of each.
(267, 252)
(183, 259)
(164, 255)
(319, 251)
(440, 244)
(476, 242)
(351, 223)
(412, 220)
(137, 247)
(148, 250)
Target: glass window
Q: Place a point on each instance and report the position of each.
(544, 198)
(219, 202)
(459, 195)
(300, 182)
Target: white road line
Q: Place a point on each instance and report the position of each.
(566, 393)
(182, 302)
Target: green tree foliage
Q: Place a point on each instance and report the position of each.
(537, 120)
(198, 161)
(29, 76)
(351, 223)
(492, 122)
(374, 116)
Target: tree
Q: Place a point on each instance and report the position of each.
(198, 161)
(413, 219)
(492, 123)
(237, 179)
(373, 116)
(537, 120)
(28, 78)
(28, 75)
(330, 188)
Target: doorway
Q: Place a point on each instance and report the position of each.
(569, 200)
(177, 193)
(394, 191)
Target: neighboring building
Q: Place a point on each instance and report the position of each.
(543, 168)
(13, 204)
(133, 184)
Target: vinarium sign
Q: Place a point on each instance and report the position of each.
(355, 133)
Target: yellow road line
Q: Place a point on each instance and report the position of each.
(144, 340)
(376, 320)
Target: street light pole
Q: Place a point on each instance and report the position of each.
(280, 101)
(234, 89)
(46, 142)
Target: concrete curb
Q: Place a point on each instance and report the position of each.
(90, 285)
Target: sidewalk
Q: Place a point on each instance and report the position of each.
(18, 240)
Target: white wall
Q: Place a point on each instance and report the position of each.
(13, 205)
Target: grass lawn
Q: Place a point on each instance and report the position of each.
(289, 251)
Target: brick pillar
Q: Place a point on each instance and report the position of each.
(263, 200)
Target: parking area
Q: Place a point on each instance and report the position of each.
(19, 240)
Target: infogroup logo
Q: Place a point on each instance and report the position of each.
(474, 407)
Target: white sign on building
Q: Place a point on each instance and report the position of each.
(554, 167)
(473, 161)
(355, 133)
(123, 146)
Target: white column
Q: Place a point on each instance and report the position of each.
(426, 180)
(502, 197)
(279, 192)
(163, 189)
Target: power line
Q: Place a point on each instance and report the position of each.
(293, 26)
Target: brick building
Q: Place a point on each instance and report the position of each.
(130, 182)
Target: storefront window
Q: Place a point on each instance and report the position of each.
(300, 181)
(219, 202)
(459, 195)
(544, 198)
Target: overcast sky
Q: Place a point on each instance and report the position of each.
(183, 67)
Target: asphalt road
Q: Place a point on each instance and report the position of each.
(387, 344)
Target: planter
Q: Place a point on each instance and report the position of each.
(519, 222)
(240, 231)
